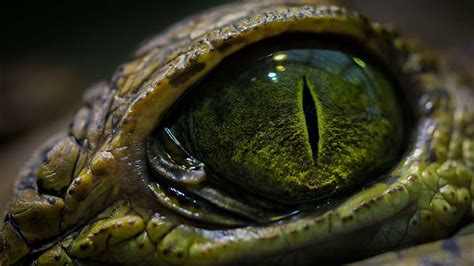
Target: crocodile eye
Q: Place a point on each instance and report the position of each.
(291, 123)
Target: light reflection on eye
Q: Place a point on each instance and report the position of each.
(273, 76)
(279, 57)
(280, 68)
(359, 62)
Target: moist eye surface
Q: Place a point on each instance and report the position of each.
(293, 125)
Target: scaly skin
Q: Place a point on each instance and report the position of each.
(86, 197)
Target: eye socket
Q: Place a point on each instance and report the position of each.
(295, 122)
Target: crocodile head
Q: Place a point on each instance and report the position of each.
(273, 132)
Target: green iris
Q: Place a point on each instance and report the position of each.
(294, 126)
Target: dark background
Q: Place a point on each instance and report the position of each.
(53, 51)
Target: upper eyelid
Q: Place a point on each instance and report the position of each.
(148, 77)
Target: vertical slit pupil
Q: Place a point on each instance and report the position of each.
(311, 118)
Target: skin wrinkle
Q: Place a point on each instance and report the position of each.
(295, 238)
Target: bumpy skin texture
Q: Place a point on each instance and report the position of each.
(87, 196)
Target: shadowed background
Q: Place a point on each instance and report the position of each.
(54, 51)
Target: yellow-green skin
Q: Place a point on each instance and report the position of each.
(86, 197)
